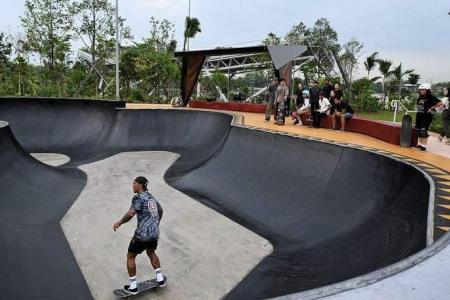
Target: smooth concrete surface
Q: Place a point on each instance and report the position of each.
(292, 191)
(203, 254)
(438, 154)
(429, 280)
(52, 159)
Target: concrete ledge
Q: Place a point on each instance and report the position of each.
(233, 106)
(385, 131)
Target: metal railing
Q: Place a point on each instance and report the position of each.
(396, 105)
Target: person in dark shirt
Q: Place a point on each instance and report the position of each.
(327, 89)
(299, 100)
(314, 96)
(341, 110)
(149, 214)
(272, 89)
(337, 91)
(332, 97)
(426, 105)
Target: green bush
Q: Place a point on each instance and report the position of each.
(363, 99)
(137, 95)
(436, 125)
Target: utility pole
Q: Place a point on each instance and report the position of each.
(117, 53)
(189, 18)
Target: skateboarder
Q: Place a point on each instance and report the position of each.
(149, 213)
(281, 96)
(426, 105)
(272, 89)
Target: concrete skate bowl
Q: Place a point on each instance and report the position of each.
(332, 213)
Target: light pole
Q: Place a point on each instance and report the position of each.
(189, 18)
(117, 52)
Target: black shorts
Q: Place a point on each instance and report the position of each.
(423, 120)
(137, 246)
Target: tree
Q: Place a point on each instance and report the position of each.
(322, 41)
(128, 70)
(370, 63)
(296, 35)
(48, 27)
(349, 58)
(399, 74)
(95, 26)
(5, 48)
(272, 40)
(155, 65)
(413, 78)
(162, 35)
(191, 30)
(364, 101)
(5, 70)
(385, 69)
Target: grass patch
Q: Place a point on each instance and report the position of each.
(386, 115)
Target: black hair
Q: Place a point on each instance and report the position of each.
(143, 181)
(322, 94)
(428, 95)
(281, 79)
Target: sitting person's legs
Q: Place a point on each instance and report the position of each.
(334, 117)
(344, 117)
(300, 112)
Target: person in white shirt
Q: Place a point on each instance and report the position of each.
(322, 111)
(445, 134)
(304, 109)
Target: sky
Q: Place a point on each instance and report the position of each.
(415, 33)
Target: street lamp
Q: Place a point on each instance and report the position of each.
(189, 18)
(117, 52)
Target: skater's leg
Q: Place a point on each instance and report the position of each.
(131, 264)
(131, 267)
(154, 260)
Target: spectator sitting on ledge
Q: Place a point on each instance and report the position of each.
(341, 110)
(304, 109)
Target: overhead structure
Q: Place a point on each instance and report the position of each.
(236, 59)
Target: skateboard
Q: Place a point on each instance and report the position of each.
(142, 287)
(281, 113)
(406, 131)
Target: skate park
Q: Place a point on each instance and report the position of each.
(311, 242)
(206, 102)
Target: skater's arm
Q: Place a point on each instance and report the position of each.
(127, 217)
(160, 211)
(439, 104)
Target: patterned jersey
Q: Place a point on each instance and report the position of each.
(148, 210)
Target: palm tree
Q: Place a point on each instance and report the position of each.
(370, 63)
(413, 78)
(399, 74)
(191, 30)
(385, 69)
